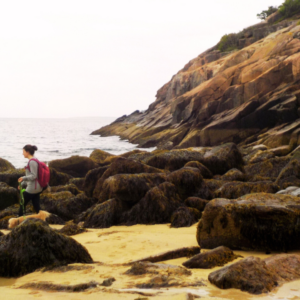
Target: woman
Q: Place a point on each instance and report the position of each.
(33, 188)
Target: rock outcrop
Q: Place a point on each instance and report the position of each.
(8, 195)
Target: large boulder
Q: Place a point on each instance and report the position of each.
(119, 166)
(5, 165)
(11, 177)
(58, 178)
(129, 187)
(76, 166)
(91, 179)
(290, 174)
(65, 204)
(156, 207)
(234, 175)
(64, 188)
(257, 276)
(33, 245)
(195, 202)
(185, 217)
(204, 171)
(99, 156)
(210, 259)
(8, 195)
(233, 190)
(103, 215)
(261, 221)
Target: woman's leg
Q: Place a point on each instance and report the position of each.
(36, 202)
(27, 197)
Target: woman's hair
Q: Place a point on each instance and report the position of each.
(30, 149)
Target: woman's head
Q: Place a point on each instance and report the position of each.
(29, 150)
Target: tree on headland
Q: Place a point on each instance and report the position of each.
(289, 8)
(265, 13)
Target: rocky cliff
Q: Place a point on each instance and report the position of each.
(249, 95)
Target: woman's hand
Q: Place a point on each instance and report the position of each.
(20, 179)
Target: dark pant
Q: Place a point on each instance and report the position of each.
(35, 198)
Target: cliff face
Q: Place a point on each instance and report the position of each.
(249, 95)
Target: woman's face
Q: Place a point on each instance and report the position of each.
(25, 153)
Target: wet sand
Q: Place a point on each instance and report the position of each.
(111, 248)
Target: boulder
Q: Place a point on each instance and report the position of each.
(11, 177)
(185, 217)
(65, 204)
(204, 170)
(197, 203)
(91, 179)
(210, 259)
(121, 166)
(259, 156)
(103, 215)
(76, 166)
(99, 156)
(72, 229)
(79, 182)
(5, 165)
(130, 188)
(156, 207)
(257, 276)
(233, 190)
(261, 221)
(8, 196)
(33, 245)
(234, 175)
(289, 174)
(64, 188)
(58, 178)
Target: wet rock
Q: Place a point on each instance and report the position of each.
(76, 166)
(8, 196)
(234, 175)
(122, 166)
(258, 276)
(58, 178)
(173, 254)
(99, 156)
(66, 205)
(210, 259)
(103, 215)
(11, 177)
(141, 268)
(205, 172)
(5, 165)
(185, 217)
(78, 182)
(91, 179)
(108, 281)
(72, 229)
(261, 221)
(156, 207)
(33, 245)
(129, 187)
(195, 202)
(233, 190)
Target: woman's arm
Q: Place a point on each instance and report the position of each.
(33, 171)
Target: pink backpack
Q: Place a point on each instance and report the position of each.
(43, 173)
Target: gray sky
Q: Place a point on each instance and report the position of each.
(71, 58)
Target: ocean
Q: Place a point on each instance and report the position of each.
(56, 138)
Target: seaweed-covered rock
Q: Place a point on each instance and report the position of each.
(99, 156)
(76, 166)
(58, 178)
(234, 175)
(64, 188)
(218, 159)
(122, 166)
(91, 179)
(103, 215)
(261, 221)
(185, 217)
(210, 259)
(233, 190)
(257, 276)
(260, 156)
(290, 173)
(66, 205)
(195, 202)
(204, 170)
(33, 245)
(156, 207)
(1, 233)
(8, 195)
(11, 177)
(5, 165)
(72, 229)
(129, 187)
(269, 168)
(78, 182)
(214, 184)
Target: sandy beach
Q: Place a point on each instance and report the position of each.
(112, 248)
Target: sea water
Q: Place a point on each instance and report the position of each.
(57, 138)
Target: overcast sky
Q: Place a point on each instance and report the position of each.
(71, 58)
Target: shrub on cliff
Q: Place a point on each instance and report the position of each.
(266, 13)
(289, 8)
